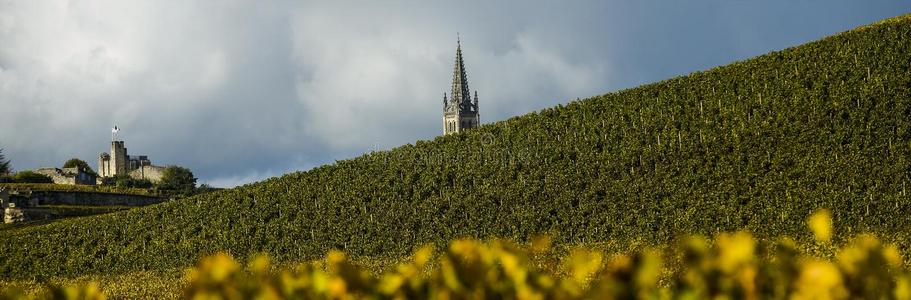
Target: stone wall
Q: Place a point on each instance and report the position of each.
(152, 173)
(13, 214)
(58, 212)
(46, 205)
(39, 198)
(10, 212)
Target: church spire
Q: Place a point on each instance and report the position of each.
(460, 112)
(460, 92)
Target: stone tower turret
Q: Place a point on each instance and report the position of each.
(118, 158)
(459, 111)
(104, 165)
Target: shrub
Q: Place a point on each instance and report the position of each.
(178, 179)
(5, 167)
(75, 162)
(31, 177)
(125, 181)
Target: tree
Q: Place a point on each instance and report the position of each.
(32, 177)
(205, 188)
(5, 167)
(75, 162)
(178, 179)
(125, 181)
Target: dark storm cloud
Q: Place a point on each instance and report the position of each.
(240, 90)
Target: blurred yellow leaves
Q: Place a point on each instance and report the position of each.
(583, 263)
(820, 224)
(734, 250)
(731, 266)
(819, 280)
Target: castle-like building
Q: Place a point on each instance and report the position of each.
(459, 112)
(118, 162)
(71, 176)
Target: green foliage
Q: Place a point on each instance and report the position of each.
(134, 183)
(31, 177)
(89, 291)
(729, 269)
(5, 166)
(755, 145)
(75, 162)
(178, 179)
(732, 266)
(205, 188)
(79, 188)
(125, 181)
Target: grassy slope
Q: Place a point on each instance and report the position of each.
(756, 144)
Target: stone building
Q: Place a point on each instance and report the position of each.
(118, 162)
(74, 175)
(459, 112)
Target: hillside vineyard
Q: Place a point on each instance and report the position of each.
(754, 145)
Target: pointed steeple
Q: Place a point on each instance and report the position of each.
(460, 92)
(459, 112)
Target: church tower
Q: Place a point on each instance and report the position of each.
(459, 111)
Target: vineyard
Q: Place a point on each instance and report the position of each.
(755, 145)
(732, 266)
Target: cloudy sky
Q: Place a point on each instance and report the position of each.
(239, 91)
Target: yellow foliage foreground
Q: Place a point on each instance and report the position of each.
(732, 266)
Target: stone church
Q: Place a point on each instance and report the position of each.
(459, 111)
(118, 162)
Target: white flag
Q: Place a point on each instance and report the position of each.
(115, 129)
